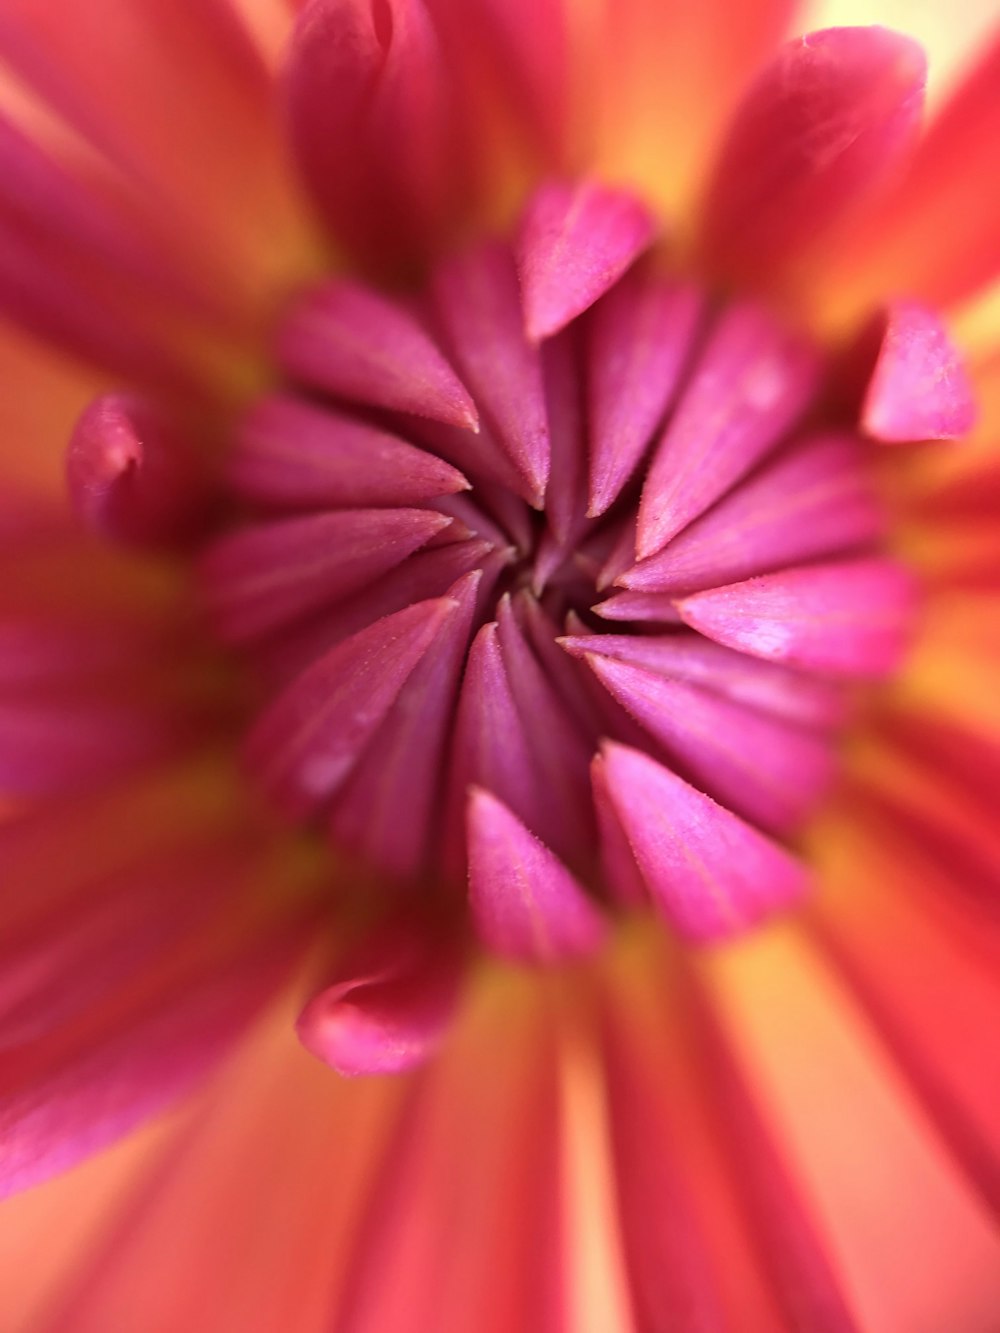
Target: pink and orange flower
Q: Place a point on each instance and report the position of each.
(498, 734)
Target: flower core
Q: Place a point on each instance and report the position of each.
(558, 579)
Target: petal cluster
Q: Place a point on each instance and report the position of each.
(557, 578)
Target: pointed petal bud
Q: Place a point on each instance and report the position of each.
(851, 617)
(307, 742)
(355, 343)
(752, 382)
(793, 695)
(639, 340)
(267, 574)
(770, 771)
(919, 389)
(576, 241)
(708, 872)
(478, 301)
(525, 904)
(814, 500)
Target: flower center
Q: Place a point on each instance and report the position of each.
(554, 621)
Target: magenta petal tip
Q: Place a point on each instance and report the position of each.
(526, 906)
(575, 242)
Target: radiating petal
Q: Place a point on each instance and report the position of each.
(769, 771)
(261, 576)
(753, 379)
(478, 301)
(386, 814)
(352, 341)
(899, 248)
(306, 743)
(816, 499)
(575, 241)
(707, 871)
(70, 1093)
(850, 618)
(807, 700)
(290, 453)
(525, 904)
(639, 339)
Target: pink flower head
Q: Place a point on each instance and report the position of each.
(498, 548)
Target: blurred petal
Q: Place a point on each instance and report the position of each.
(899, 249)
(823, 126)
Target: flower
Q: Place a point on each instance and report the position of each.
(350, 693)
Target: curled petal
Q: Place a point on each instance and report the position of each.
(389, 1005)
(131, 474)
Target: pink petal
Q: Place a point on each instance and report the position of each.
(769, 771)
(793, 695)
(920, 389)
(575, 241)
(389, 1005)
(898, 247)
(350, 340)
(665, 1147)
(429, 573)
(306, 743)
(257, 578)
(478, 301)
(525, 904)
(708, 872)
(656, 607)
(491, 748)
(59, 963)
(793, 1251)
(816, 499)
(566, 503)
(560, 750)
(78, 1089)
(288, 452)
(132, 476)
(639, 339)
(388, 811)
(621, 874)
(66, 744)
(753, 380)
(823, 125)
(853, 617)
(373, 125)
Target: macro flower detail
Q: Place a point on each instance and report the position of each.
(497, 637)
(611, 512)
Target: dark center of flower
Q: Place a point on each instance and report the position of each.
(554, 610)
